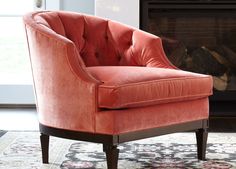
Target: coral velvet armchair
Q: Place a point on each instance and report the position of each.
(101, 81)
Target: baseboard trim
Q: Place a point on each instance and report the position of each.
(16, 106)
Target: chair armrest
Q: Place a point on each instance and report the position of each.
(148, 51)
(66, 94)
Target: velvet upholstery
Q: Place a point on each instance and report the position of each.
(100, 76)
(147, 117)
(147, 86)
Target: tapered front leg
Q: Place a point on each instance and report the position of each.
(112, 153)
(201, 135)
(44, 139)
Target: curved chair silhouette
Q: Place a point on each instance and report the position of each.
(101, 81)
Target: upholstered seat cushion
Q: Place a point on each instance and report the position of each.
(144, 86)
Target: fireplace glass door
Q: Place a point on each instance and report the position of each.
(199, 40)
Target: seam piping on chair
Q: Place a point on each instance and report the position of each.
(32, 71)
(83, 47)
(36, 29)
(94, 88)
(152, 81)
(131, 104)
(133, 59)
(61, 23)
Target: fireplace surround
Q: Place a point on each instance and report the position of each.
(198, 36)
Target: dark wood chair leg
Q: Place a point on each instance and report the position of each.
(112, 153)
(44, 139)
(201, 135)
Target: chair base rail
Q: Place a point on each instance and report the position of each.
(110, 142)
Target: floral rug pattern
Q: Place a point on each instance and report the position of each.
(152, 155)
(21, 150)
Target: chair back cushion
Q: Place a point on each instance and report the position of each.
(102, 42)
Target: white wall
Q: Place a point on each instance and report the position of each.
(52, 5)
(17, 94)
(125, 11)
(82, 6)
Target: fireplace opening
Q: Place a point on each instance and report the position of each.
(197, 36)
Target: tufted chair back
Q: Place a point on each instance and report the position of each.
(101, 42)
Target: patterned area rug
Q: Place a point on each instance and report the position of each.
(21, 150)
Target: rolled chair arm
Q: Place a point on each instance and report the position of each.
(149, 52)
(60, 77)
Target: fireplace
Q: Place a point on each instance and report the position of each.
(198, 36)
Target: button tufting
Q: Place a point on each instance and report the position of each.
(130, 43)
(119, 57)
(84, 36)
(96, 54)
